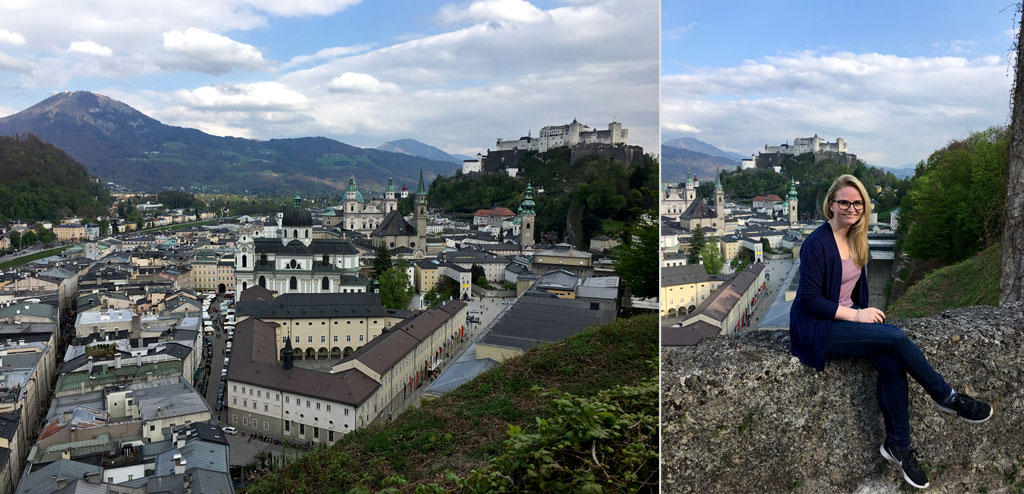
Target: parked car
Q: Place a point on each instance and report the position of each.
(230, 430)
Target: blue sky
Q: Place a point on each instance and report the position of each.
(456, 75)
(897, 80)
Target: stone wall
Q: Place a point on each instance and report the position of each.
(740, 414)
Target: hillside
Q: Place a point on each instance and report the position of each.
(693, 144)
(677, 162)
(120, 144)
(447, 438)
(974, 281)
(579, 201)
(417, 148)
(41, 182)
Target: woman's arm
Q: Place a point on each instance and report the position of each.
(812, 276)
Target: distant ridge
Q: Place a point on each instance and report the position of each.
(677, 163)
(120, 144)
(417, 148)
(693, 144)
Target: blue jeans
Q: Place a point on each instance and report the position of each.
(894, 355)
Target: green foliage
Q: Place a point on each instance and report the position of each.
(956, 200)
(766, 246)
(697, 242)
(29, 238)
(175, 199)
(41, 182)
(16, 239)
(637, 258)
(743, 259)
(589, 192)
(476, 272)
(395, 290)
(481, 281)
(618, 428)
(712, 255)
(974, 281)
(382, 261)
(438, 444)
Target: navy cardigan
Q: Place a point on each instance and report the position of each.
(817, 296)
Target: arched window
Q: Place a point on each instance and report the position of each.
(244, 260)
(295, 234)
(292, 264)
(327, 259)
(263, 258)
(325, 284)
(293, 284)
(244, 286)
(307, 233)
(263, 282)
(285, 232)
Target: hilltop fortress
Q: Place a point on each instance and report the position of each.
(581, 139)
(772, 156)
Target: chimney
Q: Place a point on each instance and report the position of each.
(179, 465)
(117, 361)
(180, 443)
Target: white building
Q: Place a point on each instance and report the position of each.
(802, 145)
(570, 134)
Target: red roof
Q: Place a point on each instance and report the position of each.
(500, 211)
(769, 197)
(482, 212)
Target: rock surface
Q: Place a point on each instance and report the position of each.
(740, 414)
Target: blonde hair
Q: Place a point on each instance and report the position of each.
(857, 236)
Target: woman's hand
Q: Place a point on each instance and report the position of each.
(870, 315)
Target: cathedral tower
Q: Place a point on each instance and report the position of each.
(529, 217)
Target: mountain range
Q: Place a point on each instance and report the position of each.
(417, 148)
(120, 144)
(687, 155)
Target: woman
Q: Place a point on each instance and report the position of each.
(830, 320)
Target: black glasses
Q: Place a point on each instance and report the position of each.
(845, 205)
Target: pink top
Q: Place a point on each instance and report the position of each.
(851, 273)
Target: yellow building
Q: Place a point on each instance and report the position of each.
(212, 273)
(69, 233)
(426, 275)
(325, 326)
(683, 288)
(730, 247)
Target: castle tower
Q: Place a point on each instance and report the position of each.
(791, 202)
(528, 219)
(420, 215)
(719, 202)
(351, 205)
(390, 202)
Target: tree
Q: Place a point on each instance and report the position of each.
(697, 242)
(29, 238)
(395, 289)
(16, 239)
(1011, 284)
(742, 259)
(638, 257)
(104, 227)
(712, 255)
(767, 246)
(476, 272)
(382, 262)
(46, 236)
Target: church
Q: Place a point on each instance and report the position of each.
(394, 232)
(296, 262)
(359, 215)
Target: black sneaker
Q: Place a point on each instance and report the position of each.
(967, 408)
(907, 461)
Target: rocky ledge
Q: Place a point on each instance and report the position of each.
(740, 414)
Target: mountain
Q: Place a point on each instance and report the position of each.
(417, 148)
(41, 182)
(120, 144)
(676, 163)
(691, 144)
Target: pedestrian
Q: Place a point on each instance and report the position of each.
(830, 319)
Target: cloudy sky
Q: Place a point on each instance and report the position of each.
(454, 75)
(897, 80)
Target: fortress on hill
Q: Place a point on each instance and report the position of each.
(772, 156)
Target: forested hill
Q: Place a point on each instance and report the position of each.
(41, 182)
(592, 196)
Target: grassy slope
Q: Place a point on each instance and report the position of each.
(461, 431)
(38, 255)
(974, 281)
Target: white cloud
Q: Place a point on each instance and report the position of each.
(492, 11)
(90, 48)
(294, 8)
(210, 52)
(353, 82)
(680, 127)
(260, 96)
(7, 37)
(891, 110)
(327, 53)
(11, 64)
(678, 31)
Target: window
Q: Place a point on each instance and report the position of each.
(328, 407)
(323, 339)
(330, 436)
(244, 260)
(307, 403)
(266, 426)
(310, 339)
(234, 388)
(316, 432)
(335, 337)
(302, 428)
(293, 284)
(234, 418)
(287, 425)
(348, 337)
(245, 420)
(360, 337)
(287, 398)
(258, 394)
(346, 412)
(277, 396)
(296, 339)
(265, 407)
(284, 339)
(324, 284)
(318, 405)
(234, 401)
(245, 403)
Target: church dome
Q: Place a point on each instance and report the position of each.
(297, 215)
